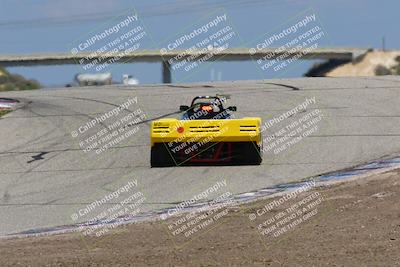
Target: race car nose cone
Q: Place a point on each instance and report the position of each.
(180, 129)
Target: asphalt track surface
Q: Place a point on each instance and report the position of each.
(45, 177)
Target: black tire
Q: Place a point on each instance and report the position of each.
(251, 154)
(160, 156)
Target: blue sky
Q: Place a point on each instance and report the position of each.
(52, 25)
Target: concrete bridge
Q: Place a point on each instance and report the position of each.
(230, 54)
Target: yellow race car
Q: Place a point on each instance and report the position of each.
(207, 134)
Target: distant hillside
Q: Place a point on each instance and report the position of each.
(373, 63)
(15, 82)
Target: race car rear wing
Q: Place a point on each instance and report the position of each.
(230, 130)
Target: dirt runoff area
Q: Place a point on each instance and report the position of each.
(355, 223)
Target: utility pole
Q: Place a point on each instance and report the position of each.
(383, 43)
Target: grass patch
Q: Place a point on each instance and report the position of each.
(4, 112)
(15, 82)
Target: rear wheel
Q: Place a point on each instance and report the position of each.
(250, 153)
(160, 156)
